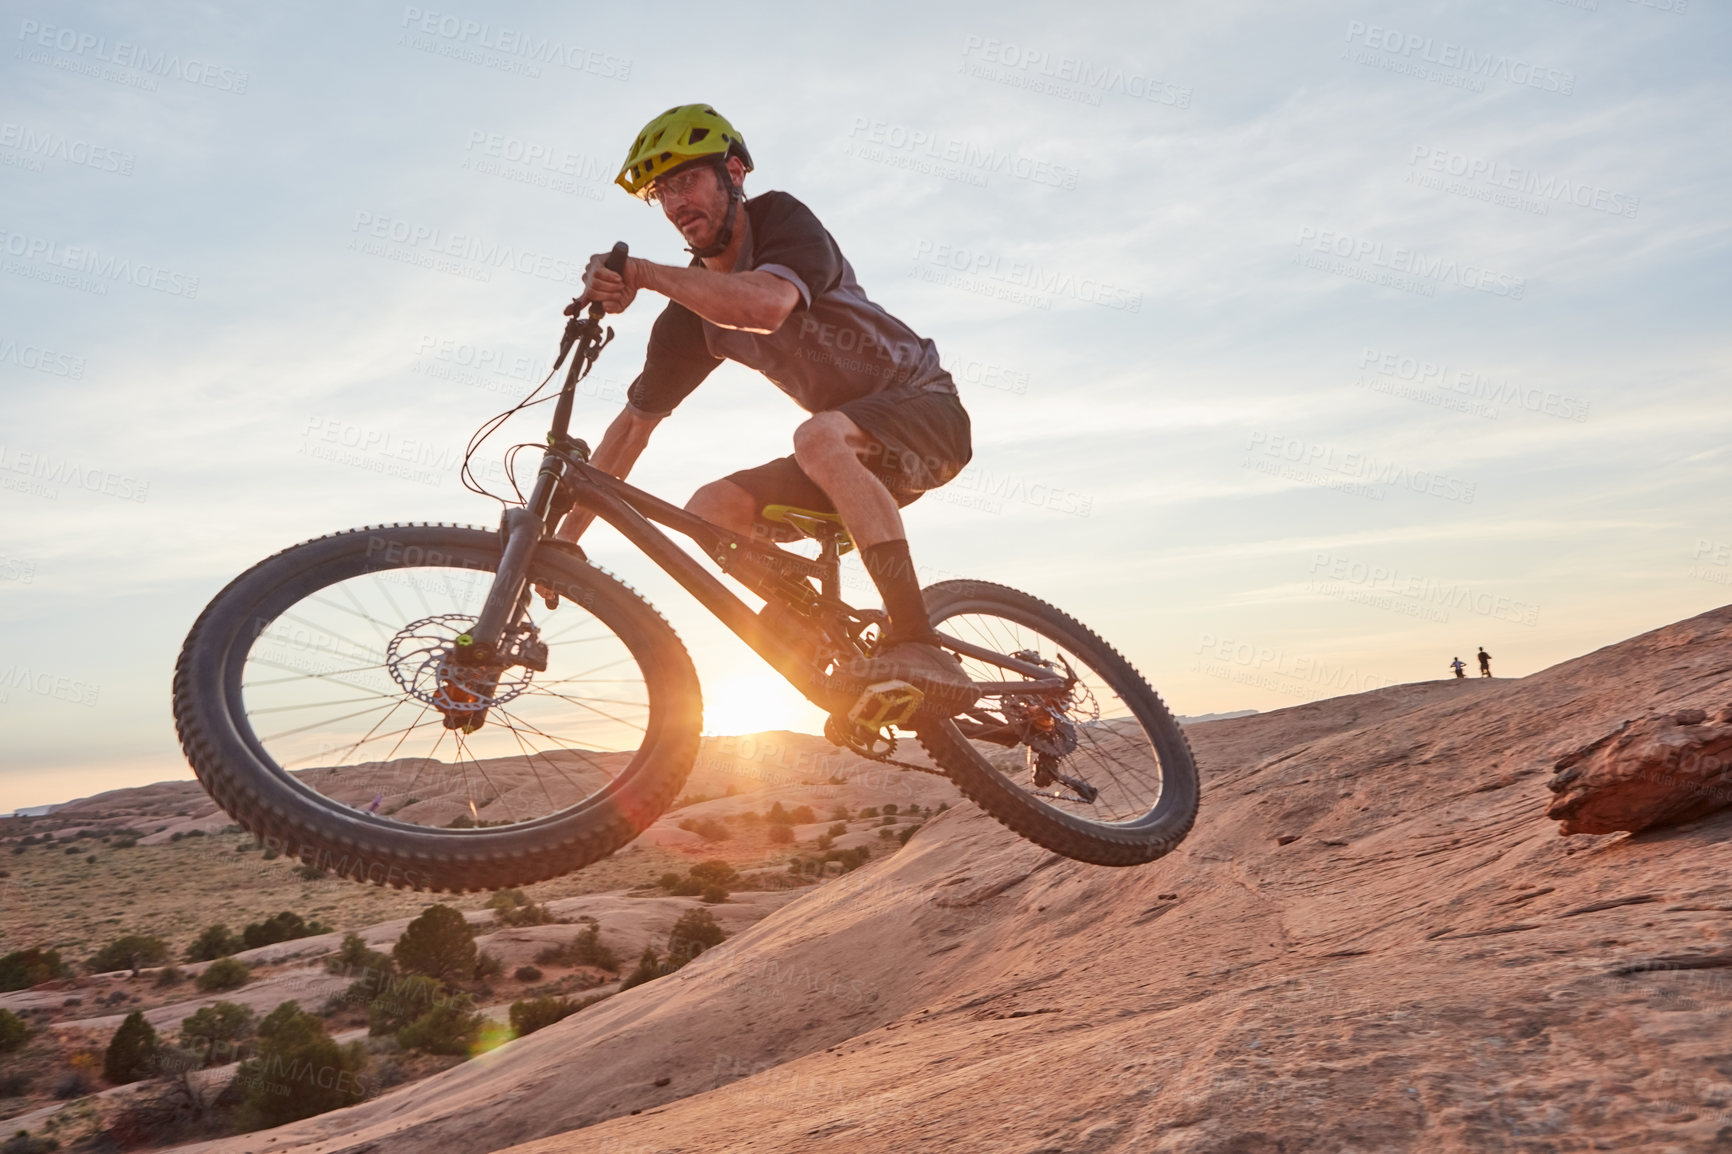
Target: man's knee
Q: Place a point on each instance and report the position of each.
(824, 437)
(726, 504)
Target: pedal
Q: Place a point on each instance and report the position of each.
(885, 704)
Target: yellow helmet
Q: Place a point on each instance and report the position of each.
(678, 136)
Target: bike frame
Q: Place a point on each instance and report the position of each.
(567, 478)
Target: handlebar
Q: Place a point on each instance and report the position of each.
(585, 332)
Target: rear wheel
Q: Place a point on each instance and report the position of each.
(320, 703)
(1102, 774)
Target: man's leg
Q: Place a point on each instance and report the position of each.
(726, 504)
(830, 449)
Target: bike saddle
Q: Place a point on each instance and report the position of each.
(798, 523)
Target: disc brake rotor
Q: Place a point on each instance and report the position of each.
(421, 660)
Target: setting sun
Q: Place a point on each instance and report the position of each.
(748, 700)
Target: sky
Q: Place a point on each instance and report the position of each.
(1307, 346)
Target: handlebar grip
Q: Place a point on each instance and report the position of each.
(615, 261)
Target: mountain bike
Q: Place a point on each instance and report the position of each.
(398, 704)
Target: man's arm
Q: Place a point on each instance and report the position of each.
(620, 447)
(755, 301)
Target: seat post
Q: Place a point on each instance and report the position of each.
(831, 558)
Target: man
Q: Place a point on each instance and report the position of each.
(1458, 665)
(768, 287)
(1484, 662)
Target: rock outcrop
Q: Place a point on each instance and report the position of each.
(1663, 769)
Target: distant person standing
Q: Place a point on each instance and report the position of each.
(1459, 666)
(1484, 662)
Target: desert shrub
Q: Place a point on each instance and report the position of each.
(397, 1003)
(453, 1026)
(825, 841)
(169, 976)
(132, 1051)
(527, 974)
(889, 819)
(299, 1071)
(884, 834)
(890, 809)
(534, 1014)
(487, 965)
(512, 908)
(668, 880)
(13, 1032)
(803, 815)
(128, 952)
(283, 927)
(71, 1084)
(707, 828)
(840, 813)
(438, 944)
(355, 957)
(942, 806)
(778, 815)
(782, 834)
(216, 1031)
(906, 833)
(687, 887)
(715, 872)
(449, 1027)
(714, 895)
(24, 1142)
(215, 942)
(869, 811)
(223, 974)
(14, 1085)
(838, 829)
(587, 949)
(310, 872)
(695, 932)
(21, 969)
(649, 968)
(126, 842)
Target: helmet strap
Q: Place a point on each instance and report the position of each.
(725, 237)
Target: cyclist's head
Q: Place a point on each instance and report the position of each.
(690, 135)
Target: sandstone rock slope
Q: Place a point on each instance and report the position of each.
(1375, 940)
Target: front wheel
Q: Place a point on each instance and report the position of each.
(1101, 773)
(322, 702)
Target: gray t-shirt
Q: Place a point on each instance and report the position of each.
(835, 347)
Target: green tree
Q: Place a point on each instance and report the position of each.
(299, 1071)
(132, 1051)
(535, 1014)
(648, 969)
(217, 1029)
(695, 932)
(354, 958)
(215, 942)
(13, 1032)
(450, 1027)
(128, 952)
(438, 944)
(21, 969)
(223, 974)
(400, 1001)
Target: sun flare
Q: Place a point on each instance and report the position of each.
(748, 700)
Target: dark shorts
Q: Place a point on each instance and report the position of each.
(921, 440)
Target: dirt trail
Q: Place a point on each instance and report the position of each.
(1373, 941)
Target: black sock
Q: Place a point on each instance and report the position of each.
(892, 571)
